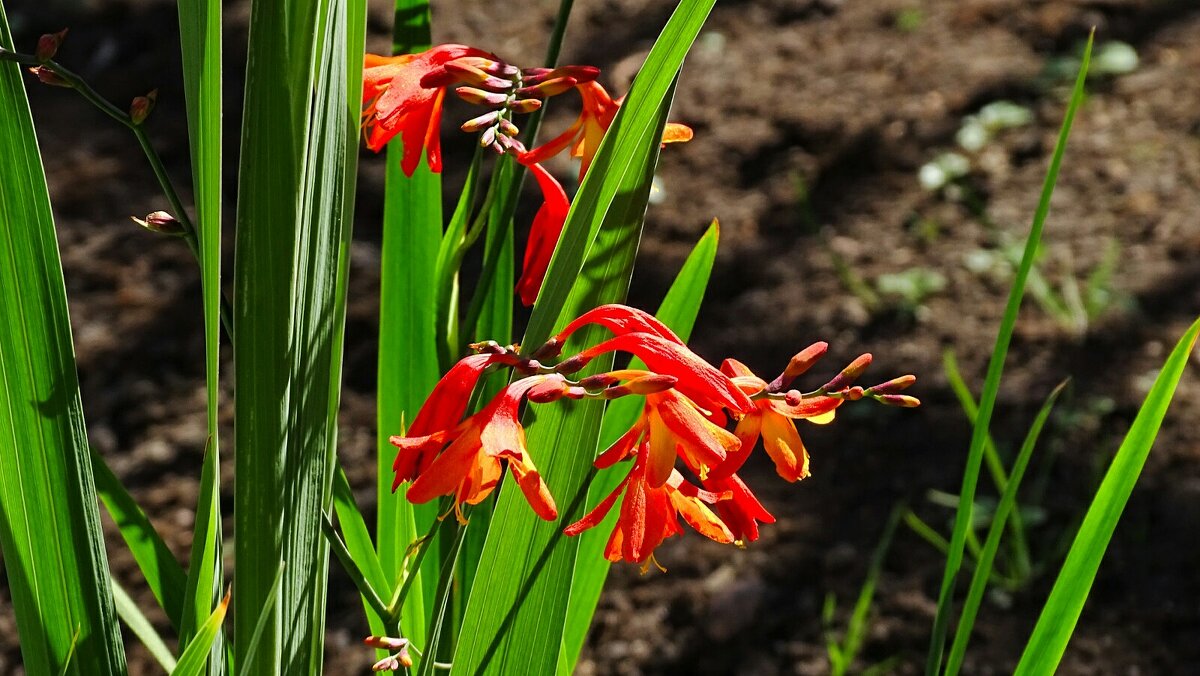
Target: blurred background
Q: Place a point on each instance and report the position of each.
(875, 165)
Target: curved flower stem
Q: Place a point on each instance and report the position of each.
(74, 81)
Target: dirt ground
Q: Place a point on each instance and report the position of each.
(814, 120)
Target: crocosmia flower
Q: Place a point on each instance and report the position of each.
(584, 136)
(650, 513)
(543, 235)
(468, 456)
(742, 512)
(396, 101)
(772, 419)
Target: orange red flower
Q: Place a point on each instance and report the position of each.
(543, 235)
(650, 513)
(397, 101)
(465, 460)
(584, 136)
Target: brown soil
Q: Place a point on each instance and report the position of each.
(812, 119)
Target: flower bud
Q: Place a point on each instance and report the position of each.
(49, 77)
(48, 45)
(480, 97)
(893, 386)
(548, 88)
(798, 365)
(551, 348)
(508, 128)
(853, 394)
(651, 384)
(488, 137)
(487, 347)
(524, 106)
(571, 365)
(386, 642)
(600, 381)
(140, 109)
(474, 76)
(849, 374)
(480, 123)
(901, 400)
(581, 74)
(160, 222)
(793, 397)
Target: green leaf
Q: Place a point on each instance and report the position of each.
(205, 569)
(357, 576)
(357, 537)
(192, 661)
(296, 193)
(516, 613)
(678, 311)
(269, 609)
(158, 565)
(49, 518)
(991, 384)
(412, 231)
(1061, 612)
(201, 48)
(991, 545)
(133, 618)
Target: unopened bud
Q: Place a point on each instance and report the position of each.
(480, 123)
(571, 365)
(508, 128)
(893, 386)
(480, 97)
(548, 88)
(793, 397)
(600, 381)
(488, 137)
(901, 400)
(386, 642)
(487, 347)
(551, 348)
(575, 392)
(798, 365)
(546, 392)
(580, 74)
(401, 660)
(463, 72)
(48, 45)
(49, 77)
(524, 106)
(160, 222)
(140, 109)
(853, 394)
(651, 384)
(849, 374)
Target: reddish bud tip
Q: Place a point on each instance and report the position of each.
(599, 381)
(48, 45)
(551, 348)
(894, 385)
(480, 123)
(854, 393)
(901, 400)
(849, 374)
(48, 77)
(386, 642)
(160, 222)
(793, 397)
(141, 107)
(480, 97)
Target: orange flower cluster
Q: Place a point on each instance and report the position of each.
(683, 459)
(403, 96)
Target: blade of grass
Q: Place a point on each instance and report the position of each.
(205, 569)
(268, 610)
(49, 517)
(1008, 501)
(1061, 612)
(158, 565)
(991, 385)
(299, 149)
(407, 367)
(357, 538)
(1016, 522)
(192, 661)
(678, 311)
(357, 576)
(133, 618)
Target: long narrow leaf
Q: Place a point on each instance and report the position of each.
(201, 48)
(299, 149)
(1061, 612)
(158, 565)
(991, 385)
(678, 311)
(516, 612)
(133, 618)
(192, 661)
(983, 568)
(49, 518)
(412, 230)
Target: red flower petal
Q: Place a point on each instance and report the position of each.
(543, 235)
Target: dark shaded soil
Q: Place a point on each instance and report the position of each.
(813, 119)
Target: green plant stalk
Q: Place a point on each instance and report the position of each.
(856, 628)
(1008, 503)
(991, 387)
